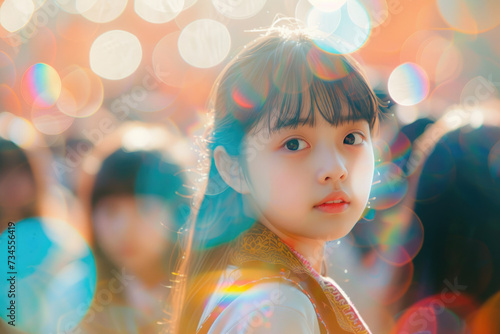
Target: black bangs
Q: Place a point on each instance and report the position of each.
(292, 80)
(345, 100)
(338, 101)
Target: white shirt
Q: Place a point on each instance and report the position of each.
(267, 307)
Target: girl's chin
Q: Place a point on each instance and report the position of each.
(338, 234)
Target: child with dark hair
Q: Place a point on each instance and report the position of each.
(137, 208)
(288, 166)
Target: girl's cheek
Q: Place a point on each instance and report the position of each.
(286, 190)
(364, 177)
(249, 153)
(264, 195)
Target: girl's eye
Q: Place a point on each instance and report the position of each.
(294, 144)
(350, 139)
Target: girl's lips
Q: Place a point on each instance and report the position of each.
(333, 207)
(335, 196)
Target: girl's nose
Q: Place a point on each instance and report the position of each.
(332, 167)
(123, 222)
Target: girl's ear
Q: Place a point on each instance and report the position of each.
(230, 170)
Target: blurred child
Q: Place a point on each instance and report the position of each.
(136, 208)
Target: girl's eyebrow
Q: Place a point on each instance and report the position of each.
(293, 123)
(289, 123)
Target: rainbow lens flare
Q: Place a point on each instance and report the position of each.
(392, 186)
(326, 67)
(41, 86)
(408, 84)
(469, 16)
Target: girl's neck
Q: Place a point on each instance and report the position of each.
(311, 250)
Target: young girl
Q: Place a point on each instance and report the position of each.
(290, 165)
(136, 208)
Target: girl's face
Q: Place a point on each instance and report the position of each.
(129, 231)
(291, 171)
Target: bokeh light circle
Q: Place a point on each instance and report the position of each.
(378, 11)
(158, 11)
(392, 186)
(351, 33)
(41, 85)
(168, 64)
(470, 16)
(21, 132)
(302, 10)
(50, 121)
(406, 114)
(56, 275)
(382, 153)
(115, 55)
(435, 52)
(324, 22)
(39, 3)
(238, 9)
(189, 3)
(103, 11)
(401, 150)
(408, 84)
(475, 92)
(397, 235)
(84, 5)
(441, 59)
(204, 43)
(358, 14)
(435, 314)
(5, 119)
(327, 5)
(69, 6)
(81, 94)
(15, 14)
(9, 100)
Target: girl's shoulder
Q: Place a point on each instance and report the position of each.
(268, 306)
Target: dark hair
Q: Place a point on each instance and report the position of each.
(270, 83)
(139, 173)
(142, 173)
(12, 157)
